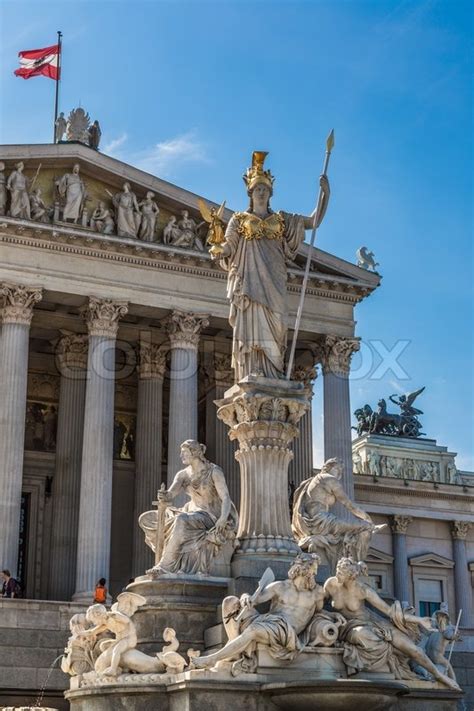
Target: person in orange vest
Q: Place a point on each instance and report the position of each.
(100, 594)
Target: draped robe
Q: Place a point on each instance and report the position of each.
(256, 289)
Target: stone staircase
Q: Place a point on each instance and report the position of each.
(33, 633)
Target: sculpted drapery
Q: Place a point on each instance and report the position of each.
(257, 245)
(256, 288)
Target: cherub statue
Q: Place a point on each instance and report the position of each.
(119, 653)
(215, 234)
(81, 653)
(317, 529)
(185, 540)
(372, 643)
(366, 259)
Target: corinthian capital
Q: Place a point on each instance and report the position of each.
(460, 529)
(335, 353)
(152, 361)
(71, 352)
(399, 523)
(102, 316)
(183, 328)
(18, 302)
(304, 374)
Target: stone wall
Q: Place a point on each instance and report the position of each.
(33, 634)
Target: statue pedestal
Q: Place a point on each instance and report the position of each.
(188, 604)
(263, 415)
(198, 690)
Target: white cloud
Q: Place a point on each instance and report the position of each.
(166, 157)
(111, 147)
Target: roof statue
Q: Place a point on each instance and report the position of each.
(78, 127)
(404, 424)
(366, 259)
(78, 123)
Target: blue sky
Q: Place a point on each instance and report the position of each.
(186, 90)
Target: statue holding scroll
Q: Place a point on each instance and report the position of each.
(187, 539)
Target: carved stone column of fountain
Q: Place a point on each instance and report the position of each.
(263, 415)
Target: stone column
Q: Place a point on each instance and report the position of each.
(17, 311)
(148, 454)
(462, 582)
(220, 449)
(334, 354)
(93, 550)
(71, 359)
(401, 577)
(302, 465)
(263, 415)
(183, 330)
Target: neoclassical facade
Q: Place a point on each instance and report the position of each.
(114, 350)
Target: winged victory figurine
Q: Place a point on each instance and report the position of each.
(215, 234)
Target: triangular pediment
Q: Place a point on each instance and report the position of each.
(431, 560)
(104, 175)
(375, 556)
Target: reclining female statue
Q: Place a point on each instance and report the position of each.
(373, 643)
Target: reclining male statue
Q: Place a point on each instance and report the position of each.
(291, 623)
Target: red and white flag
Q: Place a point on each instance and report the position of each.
(34, 62)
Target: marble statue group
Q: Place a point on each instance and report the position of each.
(121, 213)
(285, 619)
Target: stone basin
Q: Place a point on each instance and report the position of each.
(335, 695)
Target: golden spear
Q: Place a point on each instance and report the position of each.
(329, 147)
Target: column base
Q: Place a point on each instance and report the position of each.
(251, 566)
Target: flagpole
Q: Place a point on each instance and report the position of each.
(329, 147)
(58, 78)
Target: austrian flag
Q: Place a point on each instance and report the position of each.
(34, 62)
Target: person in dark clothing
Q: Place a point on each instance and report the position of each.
(10, 587)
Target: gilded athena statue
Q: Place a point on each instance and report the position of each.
(257, 245)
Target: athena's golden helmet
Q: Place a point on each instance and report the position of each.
(256, 174)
